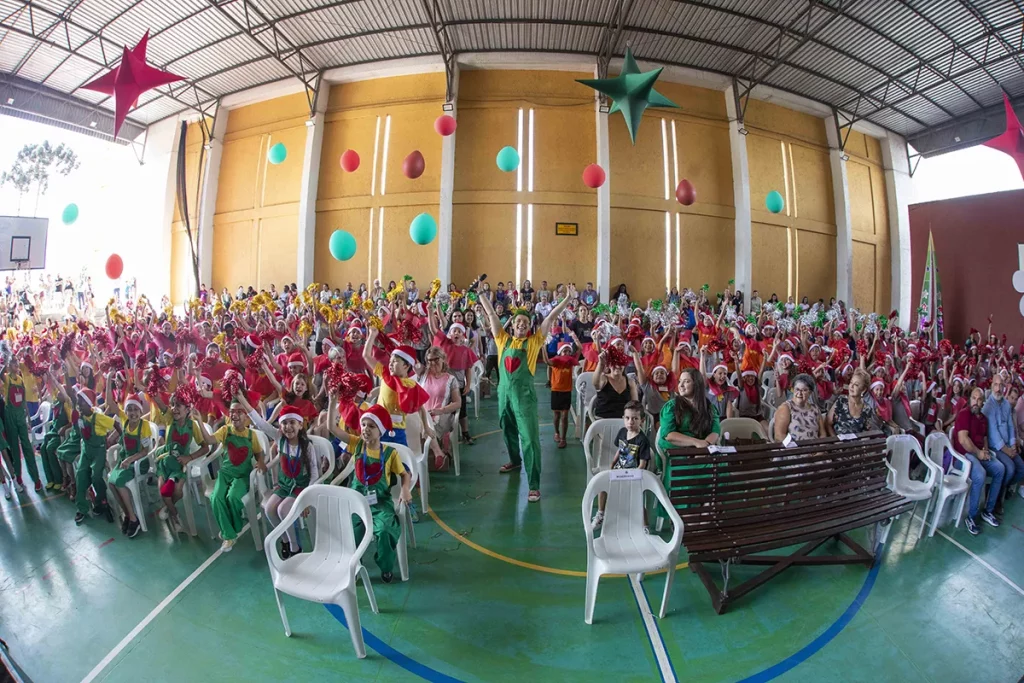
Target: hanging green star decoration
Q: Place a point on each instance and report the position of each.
(632, 91)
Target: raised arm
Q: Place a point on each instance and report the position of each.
(545, 326)
(492, 318)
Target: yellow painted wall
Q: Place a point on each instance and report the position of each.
(256, 219)
(870, 218)
(697, 151)
(357, 118)
(182, 272)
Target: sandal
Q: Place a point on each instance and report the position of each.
(507, 468)
(561, 443)
(533, 496)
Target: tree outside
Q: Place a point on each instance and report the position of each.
(33, 167)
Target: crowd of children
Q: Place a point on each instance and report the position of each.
(168, 389)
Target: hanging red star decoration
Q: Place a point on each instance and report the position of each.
(129, 80)
(1012, 140)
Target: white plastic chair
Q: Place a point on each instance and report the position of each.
(599, 445)
(623, 547)
(584, 392)
(767, 380)
(742, 428)
(476, 374)
(915, 417)
(420, 452)
(957, 483)
(137, 486)
(900, 447)
(326, 574)
(771, 428)
(37, 432)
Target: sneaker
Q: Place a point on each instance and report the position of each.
(227, 545)
(133, 529)
(507, 468)
(286, 550)
(533, 496)
(647, 531)
(387, 577)
(7, 490)
(79, 518)
(972, 528)
(38, 487)
(18, 486)
(50, 486)
(163, 514)
(990, 519)
(598, 520)
(125, 524)
(176, 526)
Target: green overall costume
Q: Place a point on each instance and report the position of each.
(93, 430)
(69, 449)
(16, 427)
(179, 442)
(372, 478)
(131, 444)
(51, 440)
(517, 403)
(294, 477)
(236, 462)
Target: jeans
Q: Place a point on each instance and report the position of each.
(979, 470)
(1014, 468)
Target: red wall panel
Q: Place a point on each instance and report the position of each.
(976, 245)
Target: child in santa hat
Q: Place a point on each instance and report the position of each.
(561, 386)
(377, 467)
(184, 443)
(135, 440)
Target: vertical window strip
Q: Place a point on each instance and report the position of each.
(380, 245)
(369, 252)
(529, 186)
(668, 250)
(384, 160)
(376, 143)
(519, 243)
(675, 155)
(785, 174)
(678, 254)
(792, 173)
(789, 261)
(519, 149)
(664, 154)
(529, 237)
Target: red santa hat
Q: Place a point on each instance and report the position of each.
(877, 383)
(88, 394)
(786, 356)
(406, 353)
(720, 366)
(563, 346)
(380, 416)
(291, 413)
(253, 340)
(133, 400)
(457, 326)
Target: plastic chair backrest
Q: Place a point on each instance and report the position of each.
(935, 445)
(324, 451)
(599, 444)
(407, 459)
(335, 505)
(43, 413)
(742, 428)
(413, 431)
(476, 374)
(585, 388)
(915, 410)
(768, 378)
(901, 446)
(624, 509)
(771, 428)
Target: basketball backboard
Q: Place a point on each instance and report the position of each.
(23, 242)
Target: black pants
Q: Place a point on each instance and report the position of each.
(491, 366)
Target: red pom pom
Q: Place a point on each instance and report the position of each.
(178, 361)
(862, 347)
(140, 359)
(616, 357)
(254, 362)
(230, 386)
(83, 325)
(155, 383)
(186, 394)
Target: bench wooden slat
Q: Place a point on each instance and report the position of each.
(768, 495)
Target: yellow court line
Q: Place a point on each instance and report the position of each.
(31, 502)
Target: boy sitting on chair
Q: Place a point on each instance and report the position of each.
(633, 451)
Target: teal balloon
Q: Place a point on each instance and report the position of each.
(70, 214)
(423, 229)
(775, 202)
(342, 245)
(277, 154)
(508, 159)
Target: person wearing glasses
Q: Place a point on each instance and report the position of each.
(445, 400)
(799, 418)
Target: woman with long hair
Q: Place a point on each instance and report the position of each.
(689, 420)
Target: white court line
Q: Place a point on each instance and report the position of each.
(127, 640)
(653, 634)
(983, 563)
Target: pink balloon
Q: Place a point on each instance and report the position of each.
(115, 266)
(349, 160)
(686, 193)
(445, 125)
(593, 176)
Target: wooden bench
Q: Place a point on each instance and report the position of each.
(764, 497)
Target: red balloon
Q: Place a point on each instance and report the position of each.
(413, 165)
(115, 266)
(593, 176)
(349, 160)
(686, 194)
(445, 125)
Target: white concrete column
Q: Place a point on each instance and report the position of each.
(208, 200)
(844, 225)
(898, 192)
(444, 211)
(309, 188)
(158, 191)
(602, 277)
(741, 199)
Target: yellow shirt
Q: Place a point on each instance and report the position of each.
(532, 345)
(145, 434)
(13, 381)
(31, 387)
(221, 436)
(388, 397)
(101, 422)
(393, 467)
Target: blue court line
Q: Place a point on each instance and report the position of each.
(658, 628)
(390, 653)
(647, 633)
(830, 633)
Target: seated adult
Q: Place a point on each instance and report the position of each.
(971, 430)
(851, 414)
(445, 399)
(799, 417)
(1002, 436)
(689, 420)
(614, 388)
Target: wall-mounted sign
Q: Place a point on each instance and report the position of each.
(570, 229)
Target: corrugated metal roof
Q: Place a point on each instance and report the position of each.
(907, 65)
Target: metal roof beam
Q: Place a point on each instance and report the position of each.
(65, 14)
(963, 132)
(265, 33)
(444, 43)
(987, 25)
(610, 37)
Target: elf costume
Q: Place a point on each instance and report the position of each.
(238, 448)
(181, 441)
(132, 442)
(517, 401)
(16, 425)
(399, 396)
(92, 430)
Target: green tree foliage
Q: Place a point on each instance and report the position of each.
(33, 167)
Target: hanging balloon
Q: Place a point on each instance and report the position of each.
(277, 154)
(349, 161)
(593, 176)
(686, 193)
(70, 214)
(445, 125)
(423, 229)
(413, 165)
(114, 267)
(342, 245)
(508, 159)
(775, 202)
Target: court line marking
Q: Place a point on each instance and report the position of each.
(127, 640)
(653, 634)
(980, 561)
(30, 503)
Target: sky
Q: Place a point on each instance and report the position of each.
(103, 190)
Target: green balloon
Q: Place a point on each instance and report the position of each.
(775, 202)
(277, 154)
(423, 229)
(70, 214)
(342, 245)
(508, 159)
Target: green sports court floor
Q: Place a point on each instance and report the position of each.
(496, 594)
